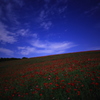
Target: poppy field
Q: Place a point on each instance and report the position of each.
(72, 76)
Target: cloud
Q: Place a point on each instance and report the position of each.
(5, 35)
(38, 44)
(26, 33)
(93, 10)
(46, 25)
(47, 1)
(60, 46)
(26, 50)
(34, 35)
(95, 48)
(19, 2)
(58, 7)
(43, 20)
(61, 10)
(22, 32)
(45, 47)
(6, 51)
(8, 13)
(42, 16)
(64, 1)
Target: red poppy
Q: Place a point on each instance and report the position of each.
(34, 92)
(75, 89)
(6, 89)
(45, 84)
(37, 89)
(72, 84)
(63, 87)
(56, 84)
(67, 91)
(26, 93)
(40, 94)
(13, 95)
(96, 83)
(78, 92)
(50, 83)
(62, 80)
(92, 79)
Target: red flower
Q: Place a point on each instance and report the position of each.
(78, 92)
(13, 95)
(40, 94)
(50, 83)
(57, 78)
(45, 84)
(72, 84)
(62, 80)
(92, 79)
(75, 89)
(89, 59)
(82, 85)
(37, 89)
(34, 92)
(56, 84)
(56, 73)
(6, 89)
(70, 68)
(82, 70)
(67, 91)
(26, 93)
(24, 76)
(63, 87)
(96, 83)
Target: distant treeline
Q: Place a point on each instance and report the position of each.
(8, 59)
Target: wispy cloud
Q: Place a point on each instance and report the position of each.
(26, 50)
(58, 7)
(43, 20)
(6, 51)
(22, 32)
(47, 1)
(26, 33)
(8, 11)
(35, 35)
(94, 48)
(46, 25)
(38, 44)
(19, 2)
(45, 47)
(61, 10)
(0, 11)
(5, 35)
(11, 16)
(93, 10)
(43, 16)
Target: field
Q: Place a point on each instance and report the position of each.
(72, 76)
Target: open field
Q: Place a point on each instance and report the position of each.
(73, 76)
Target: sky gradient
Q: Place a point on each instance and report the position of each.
(32, 28)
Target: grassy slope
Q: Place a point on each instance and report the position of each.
(73, 76)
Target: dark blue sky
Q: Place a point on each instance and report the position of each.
(31, 28)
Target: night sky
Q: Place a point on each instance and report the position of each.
(32, 28)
